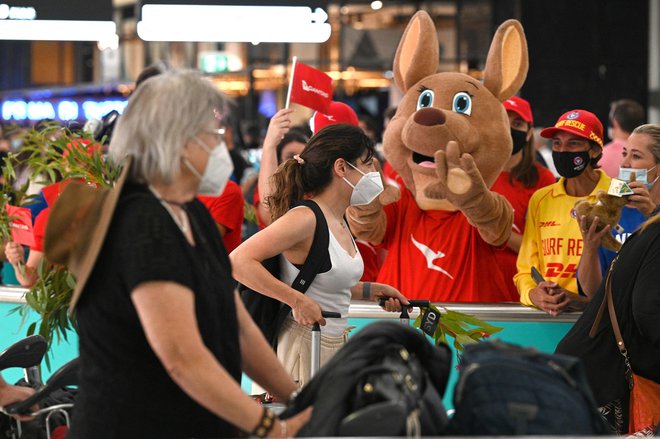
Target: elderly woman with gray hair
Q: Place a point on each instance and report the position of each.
(163, 335)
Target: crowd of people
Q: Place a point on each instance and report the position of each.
(156, 297)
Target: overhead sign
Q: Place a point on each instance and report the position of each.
(218, 62)
(77, 10)
(58, 30)
(17, 12)
(59, 109)
(47, 20)
(226, 23)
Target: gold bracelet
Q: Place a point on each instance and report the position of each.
(265, 425)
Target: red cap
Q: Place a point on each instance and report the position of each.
(338, 113)
(521, 107)
(582, 123)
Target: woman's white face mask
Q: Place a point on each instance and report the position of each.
(367, 188)
(219, 168)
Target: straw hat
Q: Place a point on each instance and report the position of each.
(77, 226)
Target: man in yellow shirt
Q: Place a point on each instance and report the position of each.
(552, 241)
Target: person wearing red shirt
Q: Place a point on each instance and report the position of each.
(227, 211)
(26, 271)
(414, 235)
(521, 177)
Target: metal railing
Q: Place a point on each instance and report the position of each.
(11, 294)
(493, 312)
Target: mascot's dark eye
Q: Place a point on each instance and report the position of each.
(462, 103)
(425, 99)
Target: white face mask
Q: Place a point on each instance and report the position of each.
(367, 189)
(218, 169)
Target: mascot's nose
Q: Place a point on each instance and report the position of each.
(430, 116)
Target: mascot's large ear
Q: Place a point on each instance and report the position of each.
(417, 54)
(507, 62)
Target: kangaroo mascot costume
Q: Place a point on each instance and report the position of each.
(448, 141)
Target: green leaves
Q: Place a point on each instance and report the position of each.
(249, 213)
(463, 328)
(52, 154)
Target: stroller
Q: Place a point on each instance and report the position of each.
(388, 380)
(54, 397)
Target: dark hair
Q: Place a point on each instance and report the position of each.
(594, 161)
(369, 122)
(304, 129)
(291, 136)
(153, 70)
(293, 180)
(525, 172)
(628, 114)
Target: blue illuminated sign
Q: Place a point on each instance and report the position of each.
(64, 110)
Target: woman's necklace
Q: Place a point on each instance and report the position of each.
(181, 221)
(340, 220)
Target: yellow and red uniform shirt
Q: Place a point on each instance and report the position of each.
(552, 241)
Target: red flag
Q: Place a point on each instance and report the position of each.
(310, 87)
(21, 225)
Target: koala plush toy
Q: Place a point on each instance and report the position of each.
(608, 210)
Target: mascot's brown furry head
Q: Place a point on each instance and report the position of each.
(441, 107)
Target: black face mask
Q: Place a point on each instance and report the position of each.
(519, 140)
(570, 164)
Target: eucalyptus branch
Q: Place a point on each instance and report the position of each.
(462, 328)
(52, 154)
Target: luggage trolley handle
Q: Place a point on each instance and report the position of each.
(404, 316)
(316, 341)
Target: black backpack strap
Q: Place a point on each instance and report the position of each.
(318, 254)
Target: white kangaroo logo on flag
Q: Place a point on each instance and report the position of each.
(431, 256)
(313, 89)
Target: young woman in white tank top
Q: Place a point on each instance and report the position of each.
(336, 170)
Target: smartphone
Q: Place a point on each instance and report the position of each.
(538, 278)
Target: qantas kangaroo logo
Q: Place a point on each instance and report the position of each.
(431, 256)
(311, 88)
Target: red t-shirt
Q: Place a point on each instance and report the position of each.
(518, 195)
(437, 255)
(228, 210)
(370, 258)
(391, 176)
(39, 229)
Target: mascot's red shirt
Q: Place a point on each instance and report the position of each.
(438, 255)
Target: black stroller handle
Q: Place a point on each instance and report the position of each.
(412, 303)
(66, 375)
(25, 353)
(326, 315)
(330, 315)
